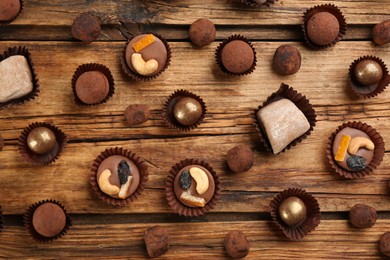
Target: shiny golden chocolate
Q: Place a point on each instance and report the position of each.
(41, 140)
(368, 72)
(187, 111)
(292, 211)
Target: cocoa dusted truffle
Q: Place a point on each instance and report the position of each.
(137, 114)
(384, 244)
(86, 28)
(381, 32)
(236, 244)
(92, 87)
(41, 140)
(362, 216)
(323, 28)
(286, 60)
(9, 9)
(202, 32)
(237, 57)
(240, 158)
(156, 241)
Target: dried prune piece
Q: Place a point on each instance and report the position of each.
(356, 163)
(123, 172)
(185, 180)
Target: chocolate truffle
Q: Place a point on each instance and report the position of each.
(282, 122)
(92, 87)
(237, 57)
(41, 140)
(156, 241)
(236, 244)
(49, 220)
(86, 28)
(137, 114)
(353, 149)
(381, 32)
(368, 72)
(286, 60)
(202, 32)
(146, 55)
(15, 78)
(292, 211)
(194, 186)
(362, 216)
(384, 244)
(118, 176)
(1, 143)
(9, 9)
(240, 158)
(322, 28)
(187, 111)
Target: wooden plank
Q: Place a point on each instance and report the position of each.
(331, 240)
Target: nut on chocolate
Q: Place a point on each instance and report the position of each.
(156, 241)
(137, 114)
(202, 32)
(381, 32)
(86, 28)
(236, 244)
(362, 216)
(286, 60)
(240, 158)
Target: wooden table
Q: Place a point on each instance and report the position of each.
(101, 230)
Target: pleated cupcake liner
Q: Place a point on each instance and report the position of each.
(253, 3)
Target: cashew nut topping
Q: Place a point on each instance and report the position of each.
(360, 142)
(201, 179)
(186, 197)
(125, 188)
(143, 67)
(105, 185)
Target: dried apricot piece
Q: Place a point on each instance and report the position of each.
(144, 42)
(342, 149)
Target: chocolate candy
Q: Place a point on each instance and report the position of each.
(292, 211)
(187, 111)
(240, 158)
(86, 28)
(237, 56)
(322, 28)
(156, 241)
(236, 244)
(381, 32)
(49, 220)
(384, 244)
(202, 32)
(362, 216)
(368, 72)
(92, 87)
(137, 114)
(9, 9)
(286, 60)
(41, 140)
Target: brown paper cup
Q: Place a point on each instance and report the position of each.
(329, 8)
(137, 77)
(3, 23)
(300, 101)
(34, 93)
(313, 216)
(368, 91)
(93, 67)
(27, 219)
(167, 112)
(379, 150)
(141, 165)
(174, 202)
(218, 54)
(253, 3)
(44, 159)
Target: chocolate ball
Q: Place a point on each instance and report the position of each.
(187, 111)
(368, 72)
(381, 32)
(240, 158)
(237, 56)
(92, 87)
(9, 9)
(292, 211)
(49, 220)
(1, 143)
(362, 216)
(156, 241)
(137, 114)
(236, 244)
(41, 140)
(384, 244)
(286, 60)
(322, 28)
(86, 28)
(202, 32)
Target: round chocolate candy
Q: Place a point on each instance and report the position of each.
(187, 111)
(362, 216)
(286, 60)
(237, 57)
(240, 158)
(49, 220)
(92, 87)
(322, 28)
(292, 211)
(384, 244)
(86, 28)
(41, 140)
(202, 32)
(368, 72)
(137, 114)
(9, 9)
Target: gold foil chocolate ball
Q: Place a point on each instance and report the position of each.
(41, 140)
(187, 111)
(368, 72)
(292, 211)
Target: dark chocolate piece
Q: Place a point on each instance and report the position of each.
(137, 114)
(92, 87)
(362, 216)
(49, 220)
(286, 60)
(202, 32)
(381, 32)
(237, 57)
(384, 244)
(236, 244)
(86, 28)
(156, 241)
(240, 158)
(323, 28)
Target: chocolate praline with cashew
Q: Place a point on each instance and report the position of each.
(146, 55)
(353, 150)
(118, 177)
(194, 186)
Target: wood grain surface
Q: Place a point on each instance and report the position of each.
(102, 231)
